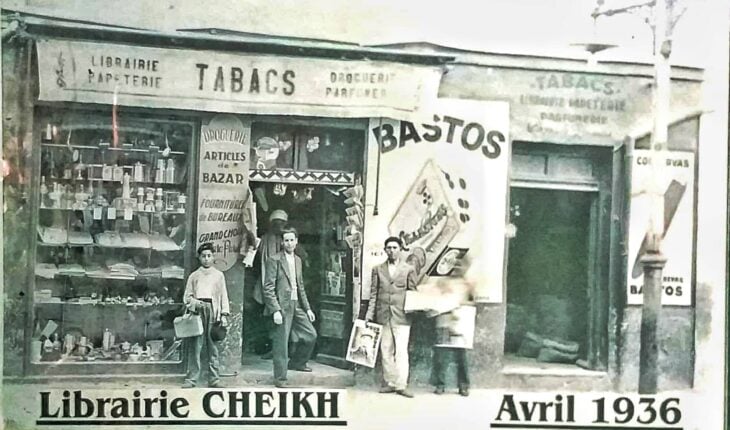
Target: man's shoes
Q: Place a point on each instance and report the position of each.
(464, 391)
(188, 384)
(439, 390)
(301, 369)
(216, 384)
(387, 389)
(282, 384)
(405, 393)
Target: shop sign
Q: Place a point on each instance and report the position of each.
(567, 107)
(225, 144)
(442, 188)
(677, 181)
(227, 82)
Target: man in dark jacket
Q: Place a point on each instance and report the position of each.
(286, 301)
(389, 283)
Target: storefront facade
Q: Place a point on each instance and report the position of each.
(133, 148)
(130, 149)
(576, 218)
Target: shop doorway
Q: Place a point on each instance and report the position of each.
(318, 214)
(550, 276)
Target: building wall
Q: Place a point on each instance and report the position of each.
(677, 326)
(17, 128)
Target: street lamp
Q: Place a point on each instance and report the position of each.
(662, 22)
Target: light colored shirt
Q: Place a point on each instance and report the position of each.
(208, 283)
(391, 268)
(291, 260)
(205, 282)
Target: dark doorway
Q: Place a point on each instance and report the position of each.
(317, 212)
(548, 275)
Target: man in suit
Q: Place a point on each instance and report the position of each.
(388, 286)
(286, 301)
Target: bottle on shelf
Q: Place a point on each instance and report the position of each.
(170, 171)
(106, 340)
(106, 172)
(44, 191)
(125, 186)
(118, 173)
(47, 134)
(159, 204)
(160, 172)
(138, 172)
(140, 198)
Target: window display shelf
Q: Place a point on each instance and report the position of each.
(81, 361)
(110, 278)
(122, 212)
(108, 148)
(96, 245)
(94, 274)
(130, 304)
(132, 183)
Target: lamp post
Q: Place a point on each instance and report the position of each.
(653, 260)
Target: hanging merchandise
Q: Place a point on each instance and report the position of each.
(354, 211)
(312, 144)
(279, 189)
(302, 195)
(260, 195)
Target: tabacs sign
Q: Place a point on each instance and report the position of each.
(143, 76)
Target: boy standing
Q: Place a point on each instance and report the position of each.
(206, 295)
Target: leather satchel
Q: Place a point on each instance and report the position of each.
(188, 325)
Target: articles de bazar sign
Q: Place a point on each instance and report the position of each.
(88, 72)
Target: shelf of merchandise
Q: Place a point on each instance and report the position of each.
(91, 317)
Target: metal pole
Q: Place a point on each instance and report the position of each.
(653, 261)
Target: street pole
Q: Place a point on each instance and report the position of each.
(653, 260)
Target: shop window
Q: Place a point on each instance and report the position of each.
(112, 225)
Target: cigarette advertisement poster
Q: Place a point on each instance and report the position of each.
(676, 180)
(448, 202)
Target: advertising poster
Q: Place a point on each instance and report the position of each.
(223, 185)
(448, 202)
(677, 179)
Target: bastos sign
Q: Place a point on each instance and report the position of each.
(442, 188)
(90, 72)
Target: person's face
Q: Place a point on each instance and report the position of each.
(392, 250)
(206, 258)
(277, 225)
(289, 241)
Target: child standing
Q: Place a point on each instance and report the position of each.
(206, 295)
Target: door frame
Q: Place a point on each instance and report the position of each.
(589, 169)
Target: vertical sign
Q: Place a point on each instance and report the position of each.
(223, 186)
(678, 183)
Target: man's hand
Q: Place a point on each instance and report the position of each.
(359, 323)
(224, 321)
(310, 314)
(278, 318)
